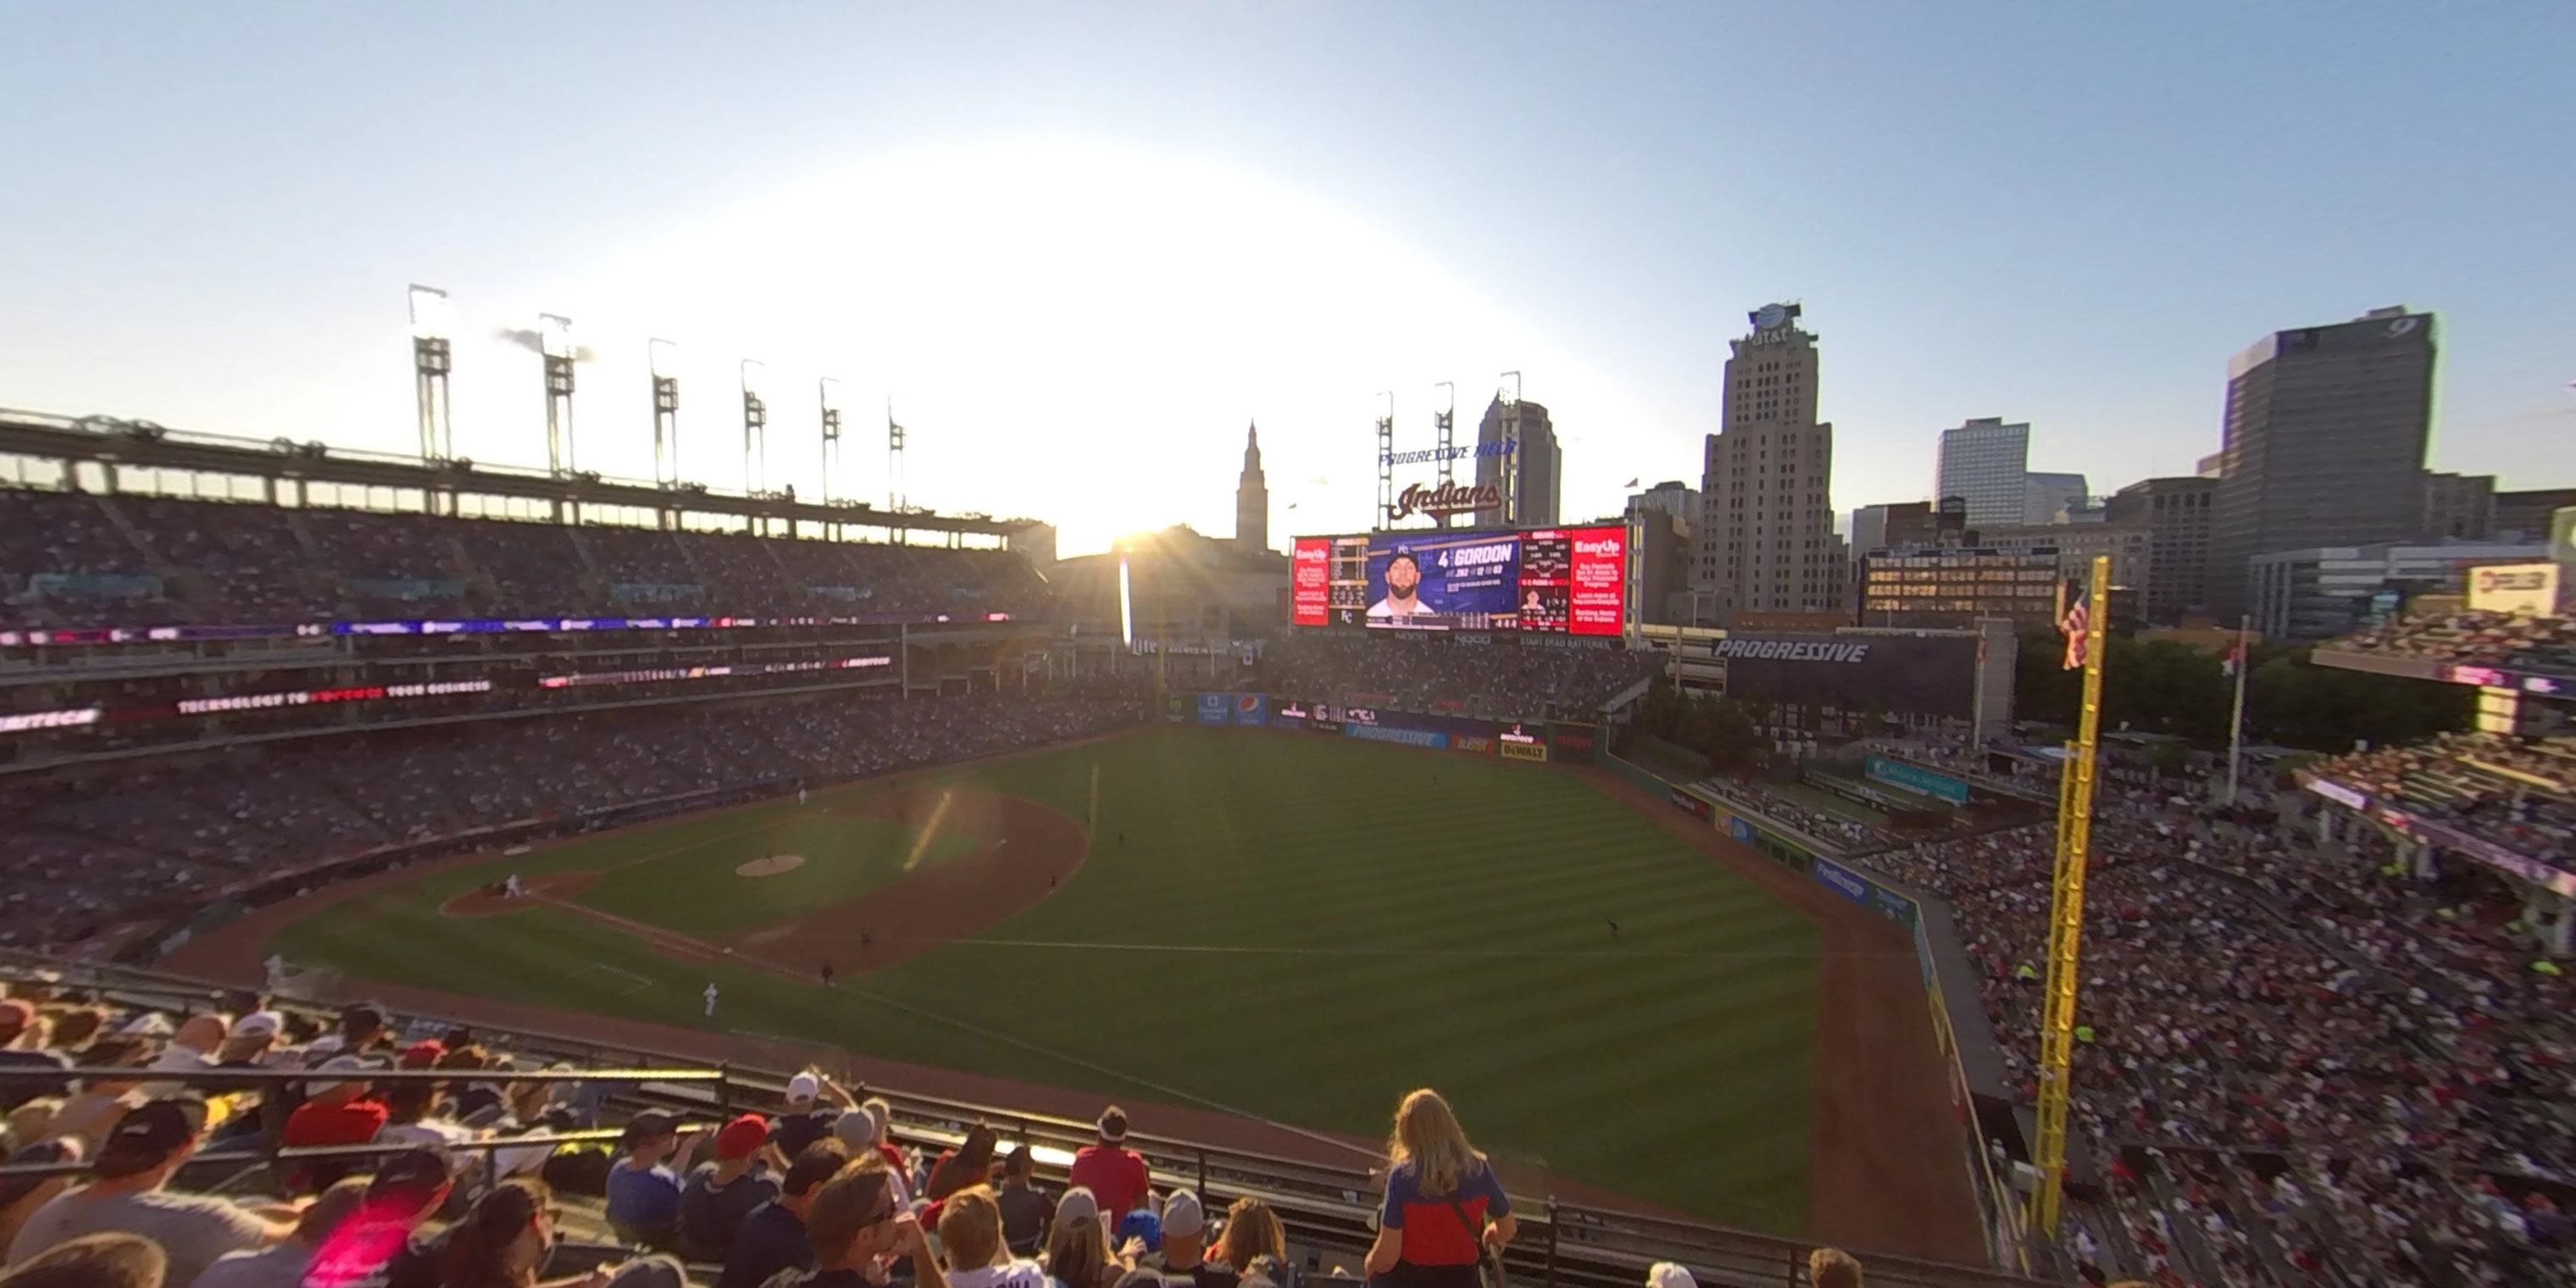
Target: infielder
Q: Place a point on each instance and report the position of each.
(711, 999)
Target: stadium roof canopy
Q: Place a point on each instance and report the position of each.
(106, 441)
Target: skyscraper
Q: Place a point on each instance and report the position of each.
(2043, 495)
(2324, 446)
(1766, 539)
(1252, 498)
(1538, 465)
(1984, 461)
(2175, 513)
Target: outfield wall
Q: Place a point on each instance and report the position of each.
(1980, 1093)
(1535, 741)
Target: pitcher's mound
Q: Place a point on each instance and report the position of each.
(771, 866)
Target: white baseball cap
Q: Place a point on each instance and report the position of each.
(259, 1024)
(1667, 1274)
(804, 1086)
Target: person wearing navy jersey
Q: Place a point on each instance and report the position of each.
(1444, 1206)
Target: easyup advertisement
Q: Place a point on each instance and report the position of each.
(1310, 587)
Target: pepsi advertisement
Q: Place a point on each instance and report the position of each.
(1439, 581)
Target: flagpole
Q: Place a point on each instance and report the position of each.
(2236, 718)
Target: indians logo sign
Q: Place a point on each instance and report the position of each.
(1447, 498)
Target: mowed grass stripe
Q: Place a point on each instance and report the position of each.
(1669, 1062)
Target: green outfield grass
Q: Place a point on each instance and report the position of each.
(1295, 926)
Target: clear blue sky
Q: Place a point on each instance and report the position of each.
(1081, 246)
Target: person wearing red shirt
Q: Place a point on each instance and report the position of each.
(1113, 1173)
(334, 1113)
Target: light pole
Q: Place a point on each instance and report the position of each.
(828, 391)
(430, 362)
(554, 346)
(755, 426)
(664, 359)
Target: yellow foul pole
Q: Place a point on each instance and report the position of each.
(2066, 913)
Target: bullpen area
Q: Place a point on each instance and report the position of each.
(1260, 924)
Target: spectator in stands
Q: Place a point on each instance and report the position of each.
(191, 1049)
(1251, 1232)
(339, 1112)
(1115, 1174)
(248, 1043)
(95, 1261)
(857, 1227)
(773, 1237)
(809, 1117)
(284, 1265)
(125, 1192)
(1077, 1246)
(1026, 1210)
(721, 1194)
(644, 1186)
(504, 1241)
(88, 1113)
(20, 1196)
(1832, 1268)
(1183, 1254)
(406, 1191)
(971, 1163)
(362, 1030)
(413, 1117)
(1445, 1209)
(970, 1233)
(22, 1046)
(1669, 1274)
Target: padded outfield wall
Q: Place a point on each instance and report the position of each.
(1537, 741)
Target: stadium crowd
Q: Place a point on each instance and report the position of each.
(166, 1178)
(2290, 1055)
(163, 836)
(1512, 681)
(2474, 639)
(81, 559)
(2521, 791)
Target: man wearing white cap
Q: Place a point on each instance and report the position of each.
(808, 1119)
(1667, 1274)
(1184, 1251)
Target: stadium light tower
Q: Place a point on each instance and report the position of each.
(829, 392)
(755, 425)
(430, 362)
(1447, 423)
(894, 460)
(554, 344)
(664, 359)
(1385, 461)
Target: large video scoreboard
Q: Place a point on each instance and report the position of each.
(1561, 581)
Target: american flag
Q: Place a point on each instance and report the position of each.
(2077, 626)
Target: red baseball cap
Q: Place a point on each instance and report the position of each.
(739, 1138)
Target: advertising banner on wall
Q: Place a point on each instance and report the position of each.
(1568, 742)
(1476, 743)
(1692, 803)
(1327, 718)
(1895, 674)
(1252, 709)
(1843, 881)
(2526, 589)
(1523, 750)
(1407, 737)
(1914, 778)
(1176, 707)
(1288, 713)
(1215, 708)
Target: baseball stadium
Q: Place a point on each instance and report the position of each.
(759, 809)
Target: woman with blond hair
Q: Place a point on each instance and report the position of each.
(1077, 1245)
(1251, 1230)
(1445, 1210)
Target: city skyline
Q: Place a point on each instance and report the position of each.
(1041, 235)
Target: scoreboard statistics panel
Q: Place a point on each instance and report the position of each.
(1554, 581)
